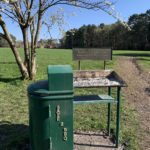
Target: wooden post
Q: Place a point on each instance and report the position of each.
(104, 64)
(79, 65)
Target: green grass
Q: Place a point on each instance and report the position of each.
(143, 57)
(14, 103)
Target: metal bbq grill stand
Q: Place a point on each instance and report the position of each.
(103, 78)
(117, 114)
(109, 113)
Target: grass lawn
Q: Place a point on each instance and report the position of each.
(14, 104)
(143, 58)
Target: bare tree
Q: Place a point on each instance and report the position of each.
(29, 15)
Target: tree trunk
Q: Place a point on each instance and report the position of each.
(33, 64)
(22, 67)
(34, 38)
(26, 50)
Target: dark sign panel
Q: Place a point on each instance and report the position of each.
(92, 54)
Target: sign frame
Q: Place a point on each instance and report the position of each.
(79, 54)
(92, 54)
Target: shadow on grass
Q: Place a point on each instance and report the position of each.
(133, 55)
(14, 136)
(89, 134)
(145, 59)
(94, 145)
(11, 62)
(8, 80)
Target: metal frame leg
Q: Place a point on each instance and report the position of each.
(109, 113)
(118, 116)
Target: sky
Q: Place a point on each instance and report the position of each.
(75, 17)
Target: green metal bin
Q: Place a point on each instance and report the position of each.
(51, 110)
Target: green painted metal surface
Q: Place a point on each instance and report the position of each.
(51, 111)
(109, 113)
(118, 116)
(60, 78)
(92, 99)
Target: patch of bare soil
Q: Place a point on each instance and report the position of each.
(137, 95)
(93, 141)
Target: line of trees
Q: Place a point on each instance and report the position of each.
(4, 43)
(114, 35)
(48, 43)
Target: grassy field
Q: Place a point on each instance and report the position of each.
(14, 104)
(143, 58)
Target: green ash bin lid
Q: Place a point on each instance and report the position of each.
(60, 82)
(60, 78)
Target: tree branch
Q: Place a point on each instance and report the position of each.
(8, 37)
(79, 3)
(11, 17)
(29, 13)
(2, 35)
(40, 13)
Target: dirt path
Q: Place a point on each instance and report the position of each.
(137, 95)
